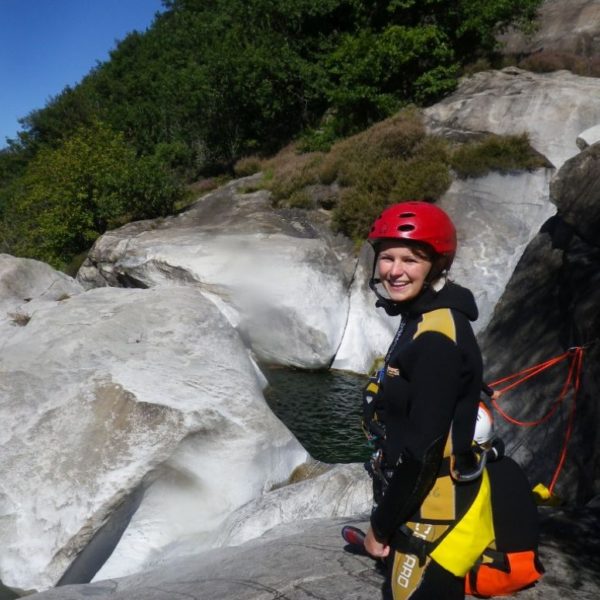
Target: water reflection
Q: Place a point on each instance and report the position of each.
(322, 409)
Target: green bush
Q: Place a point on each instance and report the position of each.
(300, 199)
(392, 161)
(290, 171)
(496, 153)
(69, 195)
(356, 211)
(421, 179)
(248, 165)
(352, 159)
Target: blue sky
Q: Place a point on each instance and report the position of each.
(46, 45)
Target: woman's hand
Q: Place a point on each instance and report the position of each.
(375, 548)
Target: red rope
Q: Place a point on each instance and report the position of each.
(573, 380)
(577, 365)
(528, 374)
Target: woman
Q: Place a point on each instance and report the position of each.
(432, 516)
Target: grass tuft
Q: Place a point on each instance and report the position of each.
(20, 319)
(505, 154)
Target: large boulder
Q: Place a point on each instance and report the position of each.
(26, 284)
(551, 305)
(341, 491)
(125, 398)
(571, 26)
(552, 108)
(280, 277)
(327, 492)
(496, 216)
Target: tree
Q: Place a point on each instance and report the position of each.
(374, 74)
(70, 194)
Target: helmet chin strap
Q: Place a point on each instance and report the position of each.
(393, 309)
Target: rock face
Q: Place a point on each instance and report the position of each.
(550, 305)
(280, 280)
(340, 491)
(286, 284)
(572, 27)
(588, 137)
(553, 108)
(26, 284)
(496, 216)
(114, 394)
(369, 330)
(307, 561)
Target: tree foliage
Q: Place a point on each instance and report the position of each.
(227, 78)
(214, 80)
(69, 195)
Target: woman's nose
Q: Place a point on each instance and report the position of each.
(397, 268)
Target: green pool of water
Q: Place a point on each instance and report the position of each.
(322, 409)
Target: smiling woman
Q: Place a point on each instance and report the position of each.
(420, 412)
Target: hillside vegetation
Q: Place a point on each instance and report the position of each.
(214, 81)
(391, 161)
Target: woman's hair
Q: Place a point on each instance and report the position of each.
(421, 249)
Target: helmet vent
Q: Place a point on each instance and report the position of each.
(407, 215)
(406, 227)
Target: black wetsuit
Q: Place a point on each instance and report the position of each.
(428, 400)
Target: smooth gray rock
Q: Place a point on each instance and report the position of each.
(303, 561)
(552, 108)
(576, 194)
(308, 561)
(588, 137)
(26, 284)
(337, 491)
(113, 391)
(496, 216)
(571, 26)
(280, 277)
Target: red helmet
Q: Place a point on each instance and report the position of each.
(417, 221)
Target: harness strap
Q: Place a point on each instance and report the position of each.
(406, 542)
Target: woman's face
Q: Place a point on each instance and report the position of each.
(402, 270)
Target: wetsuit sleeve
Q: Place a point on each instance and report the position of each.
(433, 369)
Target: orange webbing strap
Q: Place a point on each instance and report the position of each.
(520, 570)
